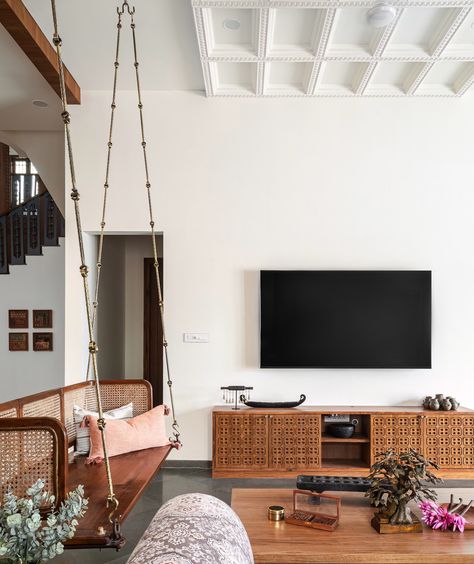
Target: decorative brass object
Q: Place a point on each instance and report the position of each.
(276, 513)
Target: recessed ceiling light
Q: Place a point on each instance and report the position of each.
(40, 103)
(231, 25)
(381, 14)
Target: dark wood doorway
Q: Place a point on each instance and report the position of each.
(152, 332)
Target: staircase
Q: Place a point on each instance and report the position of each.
(27, 228)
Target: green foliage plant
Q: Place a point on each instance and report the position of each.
(28, 534)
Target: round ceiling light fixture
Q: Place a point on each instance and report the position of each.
(231, 25)
(381, 14)
(40, 103)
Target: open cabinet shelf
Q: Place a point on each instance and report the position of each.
(357, 438)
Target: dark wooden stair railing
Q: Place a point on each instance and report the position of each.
(26, 229)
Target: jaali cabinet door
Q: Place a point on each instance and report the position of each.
(397, 432)
(294, 442)
(240, 442)
(449, 440)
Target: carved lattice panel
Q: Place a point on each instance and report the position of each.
(449, 440)
(295, 442)
(241, 441)
(397, 432)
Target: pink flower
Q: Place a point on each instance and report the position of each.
(440, 518)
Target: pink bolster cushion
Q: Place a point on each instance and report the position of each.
(144, 431)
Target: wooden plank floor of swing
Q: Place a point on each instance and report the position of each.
(131, 473)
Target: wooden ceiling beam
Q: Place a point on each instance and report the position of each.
(21, 25)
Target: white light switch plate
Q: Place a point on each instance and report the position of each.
(196, 337)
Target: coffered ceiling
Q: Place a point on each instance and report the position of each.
(328, 48)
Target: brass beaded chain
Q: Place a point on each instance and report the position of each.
(92, 307)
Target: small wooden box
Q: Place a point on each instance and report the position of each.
(318, 511)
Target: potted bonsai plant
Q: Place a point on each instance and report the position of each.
(395, 480)
(26, 535)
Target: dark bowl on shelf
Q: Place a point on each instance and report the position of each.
(341, 430)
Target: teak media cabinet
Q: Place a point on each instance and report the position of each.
(252, 442)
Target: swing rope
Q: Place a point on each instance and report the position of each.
(92, 307)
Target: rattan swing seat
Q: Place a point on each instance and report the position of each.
(35, 434)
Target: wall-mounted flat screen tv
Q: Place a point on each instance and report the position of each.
(345, 319)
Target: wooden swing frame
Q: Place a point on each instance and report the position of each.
(36, 432)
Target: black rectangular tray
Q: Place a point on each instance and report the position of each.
(321, 484)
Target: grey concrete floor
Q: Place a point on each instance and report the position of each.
(169, 483)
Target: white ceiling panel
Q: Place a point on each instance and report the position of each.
(238, 78)
(293, 30)
(287, 78)
(341, 76)
(463, 39)
(418, 29)
(231, 31)
(351, 30)
(328, 47)
(391, 73)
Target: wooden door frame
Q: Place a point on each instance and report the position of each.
(152, 368)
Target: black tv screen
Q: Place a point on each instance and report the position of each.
(345, 319)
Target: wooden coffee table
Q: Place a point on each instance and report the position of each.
(353, 541)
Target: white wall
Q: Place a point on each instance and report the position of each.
(38, 285)
(247, 184)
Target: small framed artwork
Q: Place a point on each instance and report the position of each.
(42, 318)
(18, 319)
(42, 342)
(17, 342)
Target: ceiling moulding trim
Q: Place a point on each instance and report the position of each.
(262, 72)
(336, 94)
(201, 36)
(324, 33)
(328, 3)
(341, 59)
(263, 33)
(203, 51)
(465, 82)
(314, 78)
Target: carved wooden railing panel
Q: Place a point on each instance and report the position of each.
(3, 246)
(16, 236)
(51, 223)
(27, 228)
(33, 227)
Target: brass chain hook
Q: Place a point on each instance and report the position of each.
(112, 500)
(121, 11)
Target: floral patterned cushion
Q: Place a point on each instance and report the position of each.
(194, 529)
